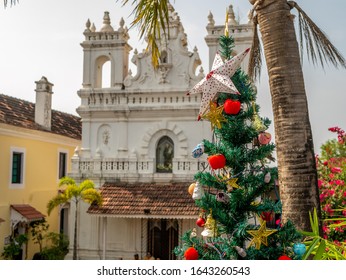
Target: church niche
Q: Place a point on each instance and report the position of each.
(164, 155)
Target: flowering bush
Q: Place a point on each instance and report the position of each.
(331, 167)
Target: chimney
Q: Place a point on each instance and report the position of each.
(43, 106)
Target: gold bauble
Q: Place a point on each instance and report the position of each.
(191, 188)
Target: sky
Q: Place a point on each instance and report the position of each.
(42, 38)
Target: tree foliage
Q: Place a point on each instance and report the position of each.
(73, 193)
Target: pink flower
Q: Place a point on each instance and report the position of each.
(322, 196)
(328, 209)
(336, 170)
(320, 183)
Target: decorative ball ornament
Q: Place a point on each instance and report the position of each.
(284, 258)
(231, 107)
(198, 151)
(267, 216)
(200, 222)
(299, 249)
(217, 161)
(191, 254)
(264, 138)
(191, 188)
(198, 191)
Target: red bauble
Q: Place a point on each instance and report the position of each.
(231, 107)
(200, 222)
(267, 216)
(284, 258)
(191, 254)
(217, 161)
(264, 138)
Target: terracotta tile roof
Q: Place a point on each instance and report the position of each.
(17, 112)
(28, 211)
(146, 200)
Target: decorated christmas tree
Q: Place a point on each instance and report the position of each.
(237, 193)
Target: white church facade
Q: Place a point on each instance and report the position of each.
(138, 132)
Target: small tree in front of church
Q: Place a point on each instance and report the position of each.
(71, 192)
(238, 194)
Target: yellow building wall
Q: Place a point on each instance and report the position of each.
(40, 177)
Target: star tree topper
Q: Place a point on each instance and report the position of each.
(218, 80)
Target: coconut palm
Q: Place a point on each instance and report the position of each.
(70, 192)
(293, 136)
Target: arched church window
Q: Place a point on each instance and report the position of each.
(164, 155)
(106, 75)
(103, 72)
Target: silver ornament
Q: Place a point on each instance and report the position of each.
(198, 150)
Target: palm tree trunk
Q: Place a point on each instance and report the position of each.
(293, 136)
(75, 233)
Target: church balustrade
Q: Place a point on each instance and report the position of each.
(236, 29)
(119, 166)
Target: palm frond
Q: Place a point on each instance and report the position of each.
(255, 60)
(55, 202)
(86, 184)
(92, 196)
(318, 46)
(151, 17)
(66, 181)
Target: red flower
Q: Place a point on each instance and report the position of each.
(339, 182)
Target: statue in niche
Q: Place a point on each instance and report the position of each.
(167, 155)
(105, 137)
(164, 155)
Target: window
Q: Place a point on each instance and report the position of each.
(17, 167)
(164, 155)
(62, 164)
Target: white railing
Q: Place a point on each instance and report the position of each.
(119, 166)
